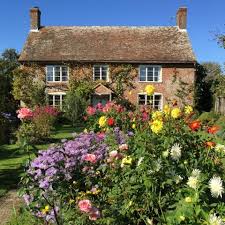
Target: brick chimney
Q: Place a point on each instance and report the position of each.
(182, 18)
(35, 19)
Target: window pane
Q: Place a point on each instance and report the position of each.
(63, 101)
(157, 102)
(104, 72)
(49, 73)
(141, 99)
(156, 73)
(150, 74)
(50, 100)
(97, 73)
(149, 100)
(142, 73)
(57, 100)
(57, 73)
(64, 73)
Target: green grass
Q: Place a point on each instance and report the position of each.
(12, 159)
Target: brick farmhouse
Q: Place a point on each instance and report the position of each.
(156, 53)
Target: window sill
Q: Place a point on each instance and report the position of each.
(150, 82)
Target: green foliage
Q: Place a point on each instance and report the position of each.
(28, 89)
(122, 79)
(75, 106)
(209, 117)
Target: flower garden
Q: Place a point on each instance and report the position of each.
(140, 167)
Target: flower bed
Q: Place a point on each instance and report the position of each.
(143, 167)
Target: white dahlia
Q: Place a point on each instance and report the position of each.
(193, 182)
(220, 148)
(175, 152)
(215, 220)
(216, 187)
(196, 173)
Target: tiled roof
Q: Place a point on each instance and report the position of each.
(109, 44)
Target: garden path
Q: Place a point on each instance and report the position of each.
(8, 203)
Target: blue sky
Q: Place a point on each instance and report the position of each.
(205, 18)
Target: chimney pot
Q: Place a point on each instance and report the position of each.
(35, 19)
(182, 18)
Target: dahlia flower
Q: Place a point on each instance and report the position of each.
(175, 152)
(216, 187)
(175, 113)
(215, 220)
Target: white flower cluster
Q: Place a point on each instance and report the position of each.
(215, 220)
(193, 180)
(175, 152)
(216, 187)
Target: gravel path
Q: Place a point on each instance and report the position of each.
(7, 204)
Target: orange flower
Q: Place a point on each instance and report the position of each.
(210, 144)
(195, 125)
(214, 129)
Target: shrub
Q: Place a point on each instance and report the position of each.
(75, 106)
(209, 117)
(37, 124)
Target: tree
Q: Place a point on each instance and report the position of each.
(208, 78)
(8, 63)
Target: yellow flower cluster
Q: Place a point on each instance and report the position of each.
(46, 209)
(166, 110)
(156, 126)
(157, 115)
(126, 161)
(102, 121)
(149, 89)
(188, 109)
(175, 113)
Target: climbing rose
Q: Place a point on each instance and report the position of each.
(149, 89)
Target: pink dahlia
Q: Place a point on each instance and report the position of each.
(85, 205)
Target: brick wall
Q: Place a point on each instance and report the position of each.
(167, 88)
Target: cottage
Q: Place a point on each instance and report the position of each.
(156, 53)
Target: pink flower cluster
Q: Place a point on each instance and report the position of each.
(90, 158)
(92, 110)
(86, 207)
(116, 154)
(49, 110)
(24, 113)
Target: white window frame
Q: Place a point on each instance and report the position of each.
(61, 98)
(46, 71)
(146, 73)
(146, 99)
(107, 75)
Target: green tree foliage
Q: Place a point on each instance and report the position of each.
(208, 78)
(75, 106)
(28, 88)
(8, 63)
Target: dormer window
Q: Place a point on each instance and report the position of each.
(150, 73)
(101, 72)
(57, 73)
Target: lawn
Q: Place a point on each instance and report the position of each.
(12, 159)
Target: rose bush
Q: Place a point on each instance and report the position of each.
(36, 124)
(142, 167)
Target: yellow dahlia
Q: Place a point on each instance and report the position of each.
(102, 121)
(166, 110)
(149, 89)
(176, 113)
(188, 109)
(156, 126)
(157, 115)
